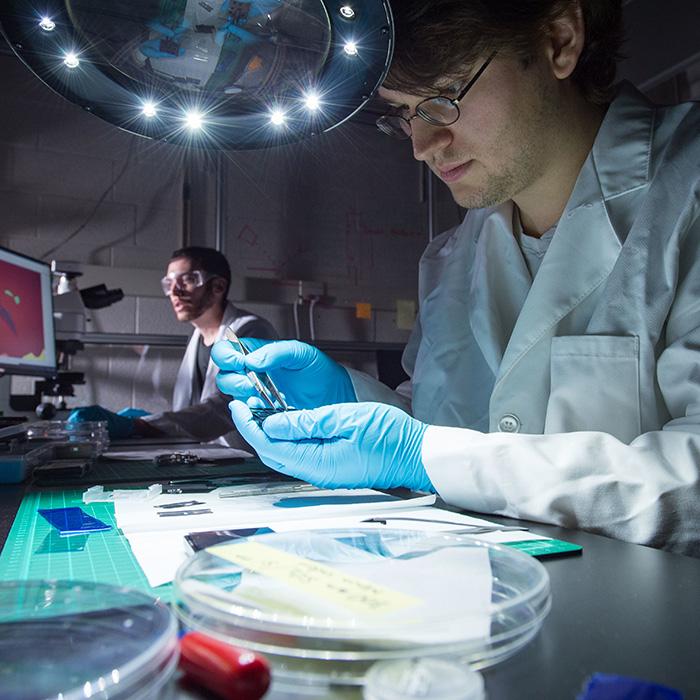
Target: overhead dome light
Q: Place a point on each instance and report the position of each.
(231, 58)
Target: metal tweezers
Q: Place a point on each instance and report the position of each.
(467, 530)
(260, 380)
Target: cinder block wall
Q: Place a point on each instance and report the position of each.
(345, 213)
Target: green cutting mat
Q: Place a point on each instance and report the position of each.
(34, 550)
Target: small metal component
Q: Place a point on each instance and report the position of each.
(259, 414)
(173, 513)
(180, 504)
(175, 458)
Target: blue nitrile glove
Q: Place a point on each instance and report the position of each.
(604, 686)
(133, 413)
(307, 377)
(117, 426)
(352, 445)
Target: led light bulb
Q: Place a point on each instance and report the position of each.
(350, 48)
(71, 60)
(149, 109)
(194, 120)
(277, 117)
(47, 24)
(312, 101)
(347, 12)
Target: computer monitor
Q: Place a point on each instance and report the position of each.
(27, 342)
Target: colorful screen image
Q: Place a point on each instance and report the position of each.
(26, 321)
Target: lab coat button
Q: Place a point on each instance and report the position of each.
(509, 423)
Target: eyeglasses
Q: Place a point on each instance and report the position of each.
(188, 281)
(438, 111)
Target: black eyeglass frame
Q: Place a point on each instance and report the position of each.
(382, 121)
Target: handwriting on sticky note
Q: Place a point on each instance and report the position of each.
(351, 592)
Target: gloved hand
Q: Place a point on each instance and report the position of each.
(117, 426)
(307, 377)
(360, 445)
(133, 413)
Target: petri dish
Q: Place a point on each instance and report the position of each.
(66, 640)
(324, 606)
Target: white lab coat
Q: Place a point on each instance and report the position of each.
(580, 391)
(209, 419)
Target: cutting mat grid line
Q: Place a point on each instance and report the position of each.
(35, 551)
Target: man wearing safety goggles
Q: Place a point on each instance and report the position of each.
(197, 283)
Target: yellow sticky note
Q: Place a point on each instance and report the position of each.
(351, 592)
(363, 309)
(405, 314)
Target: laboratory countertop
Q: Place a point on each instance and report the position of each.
(617, 608)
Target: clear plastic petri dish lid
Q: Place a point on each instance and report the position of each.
(91, 433)
(64, 428)
(66, 640)
(325, 605)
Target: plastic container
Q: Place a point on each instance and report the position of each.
(18, 460)
(422, 679)
(91, 434)
(69, 641)
(313, 640)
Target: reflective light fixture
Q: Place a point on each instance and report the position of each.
(232, 58)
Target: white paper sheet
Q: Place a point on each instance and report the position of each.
(158, 541)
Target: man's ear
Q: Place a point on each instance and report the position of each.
(565, 39)
(218, 285)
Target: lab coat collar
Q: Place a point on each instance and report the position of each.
(499, 286)
(631, 148)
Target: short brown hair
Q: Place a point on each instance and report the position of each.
(438, 38)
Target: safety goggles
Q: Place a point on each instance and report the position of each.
(186, 281)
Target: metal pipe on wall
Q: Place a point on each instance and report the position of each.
(220, 240)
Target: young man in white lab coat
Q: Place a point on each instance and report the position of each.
(197, 283)
(555, 362)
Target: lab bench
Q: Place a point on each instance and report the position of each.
(616, 608)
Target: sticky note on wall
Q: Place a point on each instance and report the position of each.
(363, 309)
(405, 314)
